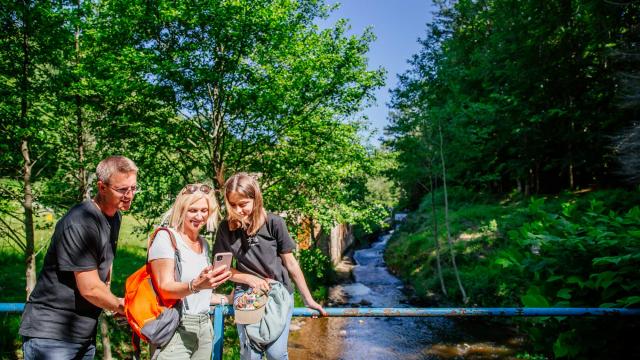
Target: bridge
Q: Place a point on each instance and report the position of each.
(219, 312)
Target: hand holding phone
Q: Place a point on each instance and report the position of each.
(222, 259)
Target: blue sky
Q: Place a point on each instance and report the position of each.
(397, 24)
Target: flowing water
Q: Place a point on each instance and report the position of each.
(393, 338)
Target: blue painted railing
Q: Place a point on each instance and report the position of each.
(220, 311)
(11, 307)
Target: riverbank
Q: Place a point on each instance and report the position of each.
(569, 250)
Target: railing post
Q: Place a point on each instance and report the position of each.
(218, 332)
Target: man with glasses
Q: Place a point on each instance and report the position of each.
(61, 315)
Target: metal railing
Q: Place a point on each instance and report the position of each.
(220, 311)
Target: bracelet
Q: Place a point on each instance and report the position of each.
(192, 288)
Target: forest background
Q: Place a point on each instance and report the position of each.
(517, 144)
(526, 110)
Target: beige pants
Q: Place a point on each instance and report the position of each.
(193, 340)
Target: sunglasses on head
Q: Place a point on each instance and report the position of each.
(193, 188)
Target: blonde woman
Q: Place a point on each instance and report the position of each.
(194, 208)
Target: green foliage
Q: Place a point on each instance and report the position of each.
(317, 268)
(557, 249)
(12, 279)
(193, 92)
(10, 342)
(268, 93)
(585, 255)
(524, 93)
(574, 250)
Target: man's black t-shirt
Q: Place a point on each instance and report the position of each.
(259, 254)
(84, 239)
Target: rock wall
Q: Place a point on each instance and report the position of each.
(333, 243)
(340, 240)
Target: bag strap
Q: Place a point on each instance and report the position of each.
(171, 237)
(205, 248)
(176, 255)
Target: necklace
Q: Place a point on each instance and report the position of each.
(195, 245)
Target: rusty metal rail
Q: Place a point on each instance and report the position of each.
(464, 312)
(219, 312)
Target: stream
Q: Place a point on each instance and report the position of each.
(393, 338)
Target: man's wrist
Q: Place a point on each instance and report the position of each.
(118, 308)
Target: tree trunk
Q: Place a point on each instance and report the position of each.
(82, 173)
(106, 342)
(220, 179)
(436, 240)
(572, 180)
(446, 218)
(537, 177)
(27, 203)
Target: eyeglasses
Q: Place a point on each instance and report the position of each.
(125, 190)
(192, 188)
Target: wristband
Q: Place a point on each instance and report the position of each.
(192, 288)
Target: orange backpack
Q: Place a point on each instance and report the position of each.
(151, 318)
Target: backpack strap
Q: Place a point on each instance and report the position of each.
(176, 255)
(205, 248)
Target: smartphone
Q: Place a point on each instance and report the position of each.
(222, 259)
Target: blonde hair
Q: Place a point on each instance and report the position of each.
(112, 164)
(175, 216)
(245, 185)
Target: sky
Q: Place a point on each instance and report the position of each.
(397, 25)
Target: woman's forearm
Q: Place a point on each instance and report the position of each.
(162, 271)
(252, 281)
(293, 267)
(240, 277)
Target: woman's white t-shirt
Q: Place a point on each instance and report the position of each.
(192, 265)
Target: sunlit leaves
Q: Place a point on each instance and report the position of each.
(228, 86)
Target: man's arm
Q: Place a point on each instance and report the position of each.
(97, 292)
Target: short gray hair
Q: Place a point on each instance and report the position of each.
(113, 164)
